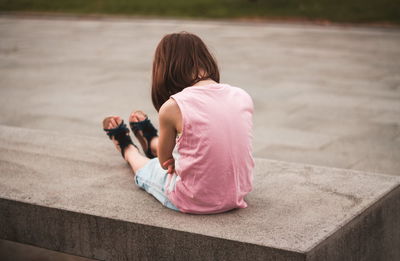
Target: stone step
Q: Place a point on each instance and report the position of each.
(75, 194)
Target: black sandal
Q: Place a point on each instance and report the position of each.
(149, 132)
(120, 134)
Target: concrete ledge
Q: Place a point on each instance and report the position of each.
(74, 194)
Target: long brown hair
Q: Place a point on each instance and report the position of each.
(181, 60)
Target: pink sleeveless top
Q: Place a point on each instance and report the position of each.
(213, 161)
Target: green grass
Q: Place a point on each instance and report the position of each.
(347, 11)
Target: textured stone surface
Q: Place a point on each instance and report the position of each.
(12, 251)
(75, 194)
(373, 235)
(324, 95)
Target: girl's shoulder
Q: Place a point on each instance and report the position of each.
(170, 115)
(245, 96)
(240, 90)
(169, 107)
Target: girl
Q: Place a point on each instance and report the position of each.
(201, 162)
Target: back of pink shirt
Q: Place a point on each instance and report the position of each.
(215, 160)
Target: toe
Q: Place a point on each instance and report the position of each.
(111, 122)
(132, 117)
(118, 121)
(140, 115)
(107, 122)
(114, 123)
(137, 116)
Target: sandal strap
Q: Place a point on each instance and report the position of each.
(121, 135)
(121, 128)
(146, 126)
(149, 132)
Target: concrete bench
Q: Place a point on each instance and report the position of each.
(75, 195)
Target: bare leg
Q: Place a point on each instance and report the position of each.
(135, 159)
(154, 146)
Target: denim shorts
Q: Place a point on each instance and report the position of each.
(156, 181)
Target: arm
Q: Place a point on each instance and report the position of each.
(167, 132)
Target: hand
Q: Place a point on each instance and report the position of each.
(170, 163)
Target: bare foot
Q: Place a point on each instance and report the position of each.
(135, 117)
(112, 122)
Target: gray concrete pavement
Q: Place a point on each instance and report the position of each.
(323, 95)
(75, 194)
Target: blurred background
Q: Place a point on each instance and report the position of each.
(348, 11)
(324, 75)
